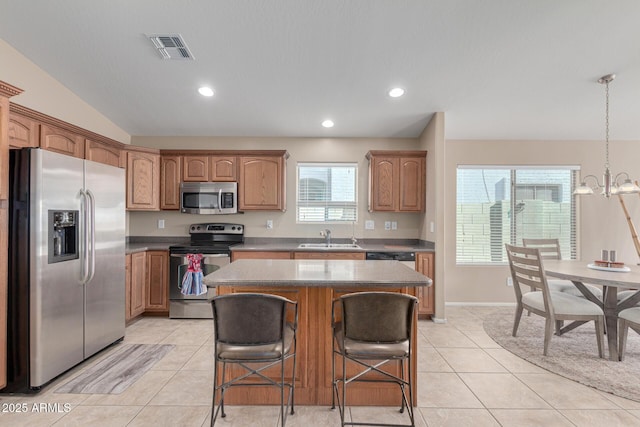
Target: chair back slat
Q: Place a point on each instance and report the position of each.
(549, 248)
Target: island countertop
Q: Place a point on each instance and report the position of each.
(316, 273)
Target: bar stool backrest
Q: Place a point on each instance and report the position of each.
(377, 316)
(249, 319)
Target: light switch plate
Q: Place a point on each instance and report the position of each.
(394, 225)
(161, 223)
(369, 225)
(269, 224)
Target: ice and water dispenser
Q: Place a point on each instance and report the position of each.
(63, 235)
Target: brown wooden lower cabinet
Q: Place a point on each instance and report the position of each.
(146, 283)
(425, 265)
(236, 255)
(135, 284)
(313, 376)
(157, 286)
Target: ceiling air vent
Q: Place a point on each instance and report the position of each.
(171, 46)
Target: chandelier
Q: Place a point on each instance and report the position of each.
(610, 183)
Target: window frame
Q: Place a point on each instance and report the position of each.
(513, 236)
(328, 204)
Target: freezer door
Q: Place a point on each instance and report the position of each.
(56, 295)
(105, 293)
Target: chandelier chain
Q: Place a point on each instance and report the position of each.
(607, 123)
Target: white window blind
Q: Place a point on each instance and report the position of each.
(498, 205)
(327, 192)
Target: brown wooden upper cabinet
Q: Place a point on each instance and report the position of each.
(170, 176)
(397, 181)
(223, 168)
(23, 131)
(104, 153)
(205, 168)
(261, 183)
(143, 180)
(195, 168)
(61, 141)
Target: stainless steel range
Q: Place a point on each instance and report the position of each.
(214, 242)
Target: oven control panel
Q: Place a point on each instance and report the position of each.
(216, 228)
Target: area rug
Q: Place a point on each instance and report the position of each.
(573, 355)
(118, 371)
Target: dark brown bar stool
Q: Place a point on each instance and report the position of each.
(373, 329)
(252, 329)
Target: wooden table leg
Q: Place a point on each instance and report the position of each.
(611, 319)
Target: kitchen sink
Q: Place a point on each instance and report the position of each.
(328, 246)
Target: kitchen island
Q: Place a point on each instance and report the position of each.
(314, 284)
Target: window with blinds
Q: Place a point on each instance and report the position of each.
(501, 204)
(327, 192)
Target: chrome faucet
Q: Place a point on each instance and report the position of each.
(327, 236)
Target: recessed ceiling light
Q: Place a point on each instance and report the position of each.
(205, 91)
(328, 123)
(396, 92)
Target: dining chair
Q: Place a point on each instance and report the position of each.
(629, 318)
(527, 270)
(256, 332)
(550, 249)
(372, 330)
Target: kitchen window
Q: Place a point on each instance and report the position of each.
(504, 204)
(327, 192)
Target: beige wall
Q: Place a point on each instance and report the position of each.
(432, 139)
(602, 224)
(46, 95)
(284, 223)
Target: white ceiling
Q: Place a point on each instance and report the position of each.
(499, 69)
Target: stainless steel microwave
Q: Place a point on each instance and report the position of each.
(209, 198)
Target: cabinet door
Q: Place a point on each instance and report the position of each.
(384, 183)
(61, 141)
(170, 173)
(127, 287)
(138, 280)
(424, 265)
(222, 168)
(412, 184)
(103, 153)
(23, 132)
(195, 168)
(261, 183)
(143, 181)
(157, 291)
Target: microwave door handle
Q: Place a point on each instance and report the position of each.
(220, 200)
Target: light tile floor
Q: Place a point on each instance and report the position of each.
(464, 379)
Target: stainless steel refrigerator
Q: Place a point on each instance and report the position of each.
(66, 264)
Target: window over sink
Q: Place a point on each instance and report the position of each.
(327, 192)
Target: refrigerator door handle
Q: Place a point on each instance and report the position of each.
(84, 264)
(92, 235)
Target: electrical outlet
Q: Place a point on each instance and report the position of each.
(161, 223)
(394, 225)
(269, 224)
(509, 281)
(387, 225)
(432, 227)
(369, 225)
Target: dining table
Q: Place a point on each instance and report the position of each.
(611, 279)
